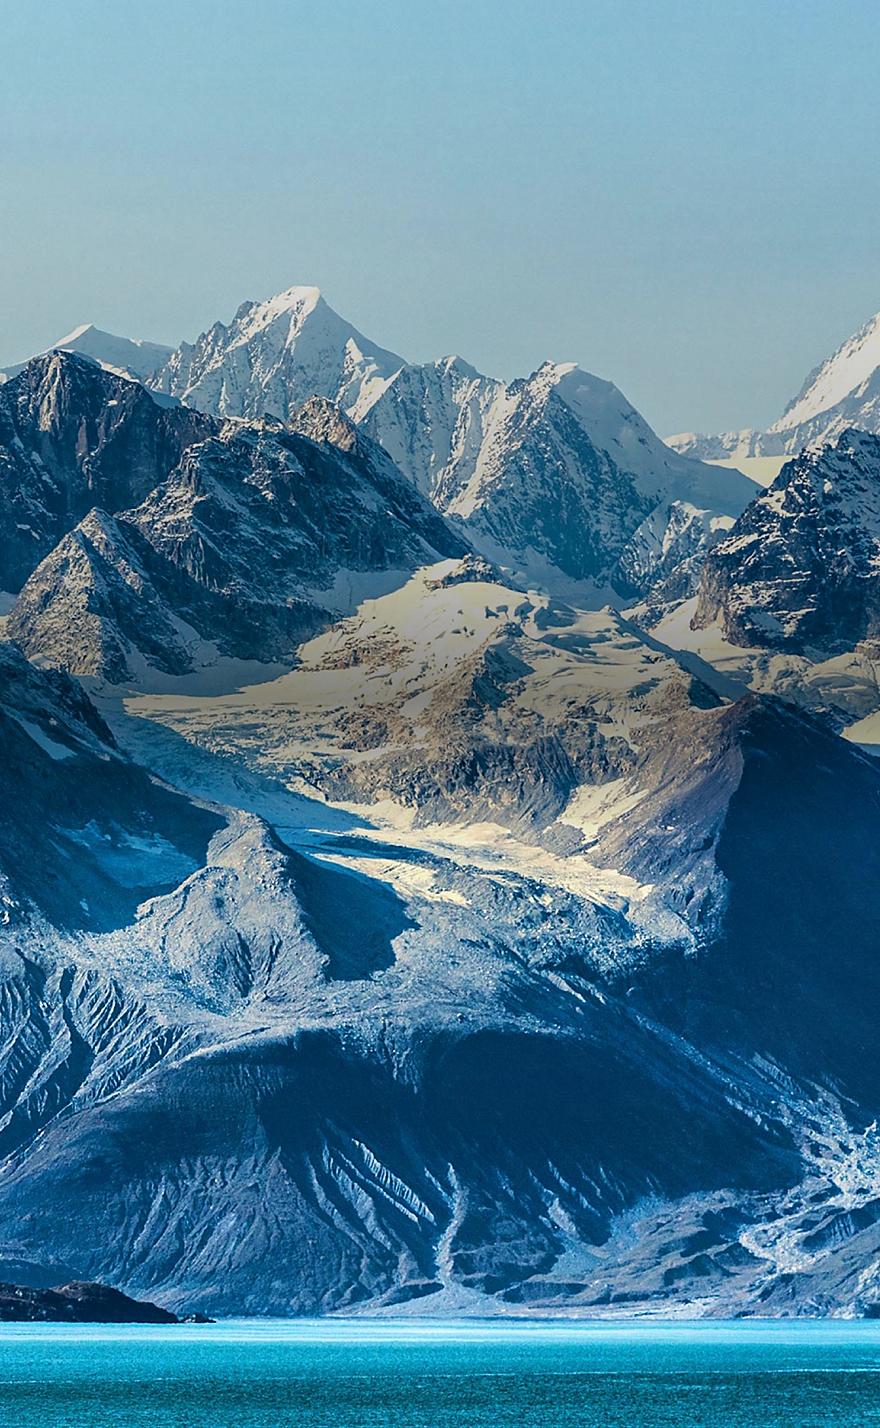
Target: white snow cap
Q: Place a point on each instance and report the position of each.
(846, 370)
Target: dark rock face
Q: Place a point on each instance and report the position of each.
(783, 973)
(359, 1179)
(236, 547)
(73, 436)
(799, 569)
(78, 1303)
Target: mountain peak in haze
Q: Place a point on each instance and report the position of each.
(841, 393)
(273, 356)
(125, 356)
(844, 373)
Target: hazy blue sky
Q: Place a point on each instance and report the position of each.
(681, 196)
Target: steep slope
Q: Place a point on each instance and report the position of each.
(557, 472)
(842, 392)
(123, 356)
(253, 539)
(272, 357)
(799, 570)
(73, 436)
(432, 420)
(839, 387)
(85, 835)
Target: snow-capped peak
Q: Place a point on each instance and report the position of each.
(297, 302)
(845, 371)
(453, 363)
(76, 335)
(615, 427)
(125, 356)
(841, 393)
(273, 356)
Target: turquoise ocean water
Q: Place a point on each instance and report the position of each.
(357, 1374)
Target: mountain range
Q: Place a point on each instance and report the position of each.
(557, 476)
(437, 834)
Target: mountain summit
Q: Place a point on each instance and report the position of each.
(842, 392)
(556, 474)
(273, 356)
(124, 356)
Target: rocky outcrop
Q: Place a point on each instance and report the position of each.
(799, 569)
(77, 1303)
(73, 436)
(245, 549)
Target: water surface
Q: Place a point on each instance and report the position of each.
(413, 1374)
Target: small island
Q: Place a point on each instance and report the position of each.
(81, 1303)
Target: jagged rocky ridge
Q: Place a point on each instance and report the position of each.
(800, 570)
(247, 538)
(272, 357)
(787, 600)
(557, 473)
(72, 437)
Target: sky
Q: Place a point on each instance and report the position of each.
(683, 197)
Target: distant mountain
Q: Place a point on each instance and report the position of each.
(432, 420)
(125, 356)
(555, 472)
(842, 392)
(839, 390)
(744, 445)
(272, 357)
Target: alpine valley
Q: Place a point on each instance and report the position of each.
(438, 835)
